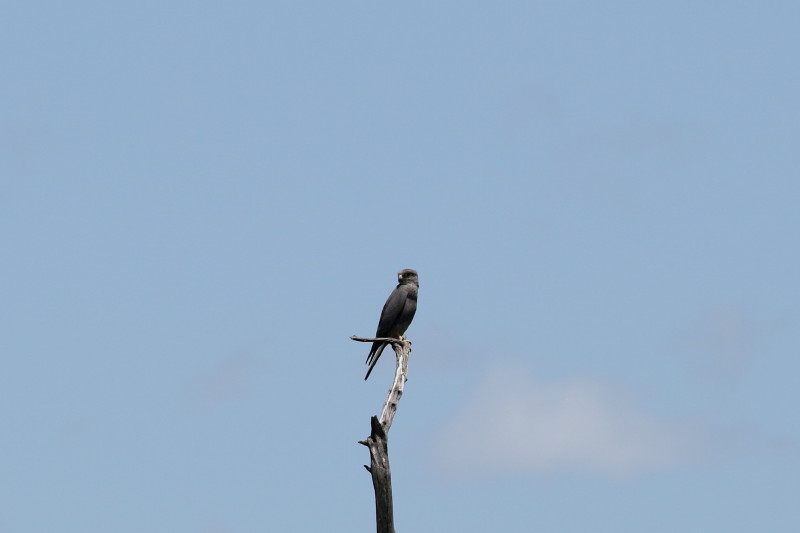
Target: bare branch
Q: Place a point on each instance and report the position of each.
(392, 340)
(402, 353)
(377, 442)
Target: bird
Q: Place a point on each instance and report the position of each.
(397, 314)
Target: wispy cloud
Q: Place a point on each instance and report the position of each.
(515, 425)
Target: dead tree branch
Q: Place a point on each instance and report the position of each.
(378, 440)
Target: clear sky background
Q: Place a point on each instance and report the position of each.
(200, 202)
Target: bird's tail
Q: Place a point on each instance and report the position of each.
(374, 355)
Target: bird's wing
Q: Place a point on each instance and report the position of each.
(390, 316)
(391, 311)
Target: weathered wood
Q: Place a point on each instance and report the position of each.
(402, 352)
(378, 440)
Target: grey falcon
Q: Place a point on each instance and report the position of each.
(397, 314)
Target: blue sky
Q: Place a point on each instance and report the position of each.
(200, 202)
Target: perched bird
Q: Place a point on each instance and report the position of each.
(397, 314)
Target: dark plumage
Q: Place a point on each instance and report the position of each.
(397, 314)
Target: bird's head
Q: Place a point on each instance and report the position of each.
(407, 276)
